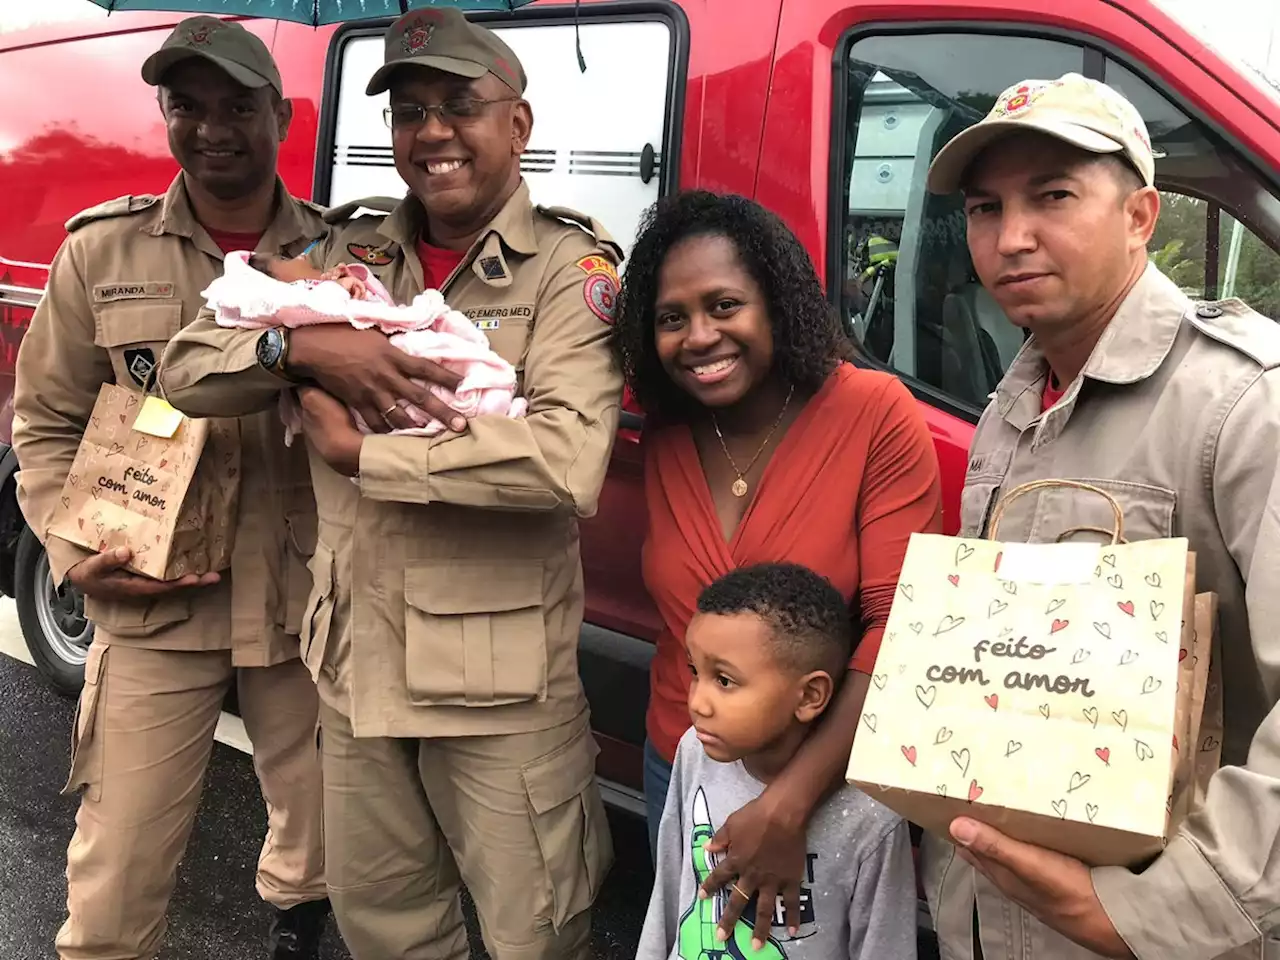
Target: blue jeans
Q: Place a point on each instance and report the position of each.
(657, 778)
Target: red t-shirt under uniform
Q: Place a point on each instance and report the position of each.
(437, 263)
(227, 242)
(1052, 394)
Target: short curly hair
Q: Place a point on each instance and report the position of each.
(810, 625)
(808, 340)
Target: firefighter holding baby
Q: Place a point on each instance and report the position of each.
(442, 629)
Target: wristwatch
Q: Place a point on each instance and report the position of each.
(273, 351)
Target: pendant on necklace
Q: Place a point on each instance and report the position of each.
(739, 487)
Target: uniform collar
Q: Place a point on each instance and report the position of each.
(1142, 332)
(178, 218)
(513, 224)
(1131, 348)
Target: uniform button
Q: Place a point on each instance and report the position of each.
(1208, 312)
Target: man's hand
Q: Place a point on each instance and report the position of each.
(362, 369)
(103, 577)
(766, 854)
(1055, 888)
(329, 428)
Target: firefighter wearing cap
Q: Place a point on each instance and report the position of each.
(1170, 407)
(443, 626)
(126, 279)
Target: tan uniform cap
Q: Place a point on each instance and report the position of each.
(225, 44)
(1073, 108)
(444, 39)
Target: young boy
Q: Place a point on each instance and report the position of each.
(768, 649)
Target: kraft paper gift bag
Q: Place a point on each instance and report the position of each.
(1199, 752)
(1035, 687)
(148, 478)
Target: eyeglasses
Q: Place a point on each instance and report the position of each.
(457, 111)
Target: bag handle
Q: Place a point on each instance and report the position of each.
(1116, 533)
(1070, 530)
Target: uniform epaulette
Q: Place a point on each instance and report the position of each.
(119, 207)
(313, 206)
(587, 223)
(344, 210)
(1234, 323)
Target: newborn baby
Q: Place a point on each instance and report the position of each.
(300, 270)
(257, 291)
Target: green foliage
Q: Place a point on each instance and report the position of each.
(1178, 249)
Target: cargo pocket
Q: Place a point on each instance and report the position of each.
(475, 634)
(139, 619)
(318, 613)
(1072, 513)
(134, 333)
(300, 547)
(569, 822)
(510, 340)
(977, 501)
(86, 746)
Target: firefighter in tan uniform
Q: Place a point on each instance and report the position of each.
(1173, 408)
(443, 625)
(164, 655)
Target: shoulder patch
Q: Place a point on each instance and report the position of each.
(373, 255)
(600, 289)
(344, 210)
(588, 223)
(119, 207)
(1237, 325)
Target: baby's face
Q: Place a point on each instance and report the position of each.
(290, 271)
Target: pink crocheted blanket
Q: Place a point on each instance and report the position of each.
(247, 298)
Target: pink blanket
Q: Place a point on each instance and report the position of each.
(427, 327)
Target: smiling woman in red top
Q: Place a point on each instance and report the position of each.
(762, 443)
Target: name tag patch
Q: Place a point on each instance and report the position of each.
(490, 318)
(107, 292)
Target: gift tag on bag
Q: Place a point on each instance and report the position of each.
(132, 485)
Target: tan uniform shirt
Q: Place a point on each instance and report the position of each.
(1177, 415)
(448, 584)
(125, 280)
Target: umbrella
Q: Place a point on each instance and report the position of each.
(312, 12)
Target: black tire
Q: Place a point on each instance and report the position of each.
(52, 618)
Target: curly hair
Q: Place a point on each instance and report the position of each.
(808, 341)
(810, 625)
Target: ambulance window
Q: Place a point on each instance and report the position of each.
(910, 295)
(602, 140)
(1219, 220)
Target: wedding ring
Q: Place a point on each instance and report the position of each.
(390, 410)
(738, 890)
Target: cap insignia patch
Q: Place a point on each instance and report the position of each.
(416, 36)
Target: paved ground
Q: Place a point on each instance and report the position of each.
(215, 913)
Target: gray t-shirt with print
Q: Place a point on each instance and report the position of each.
(858, 899)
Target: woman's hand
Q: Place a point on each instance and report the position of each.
(765, 847)
(329, 428)
(766, 839)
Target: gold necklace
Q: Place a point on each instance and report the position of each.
(739, 487)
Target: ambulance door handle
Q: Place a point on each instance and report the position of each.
(648, 163)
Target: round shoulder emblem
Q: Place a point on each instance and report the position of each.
(600, 289)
